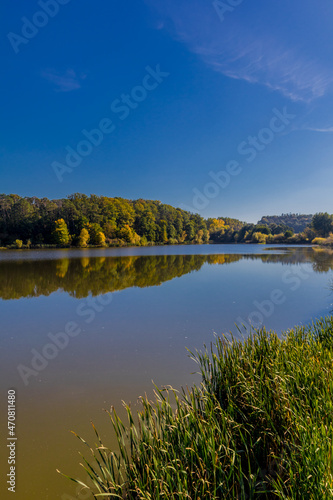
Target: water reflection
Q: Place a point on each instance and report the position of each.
(80, 277)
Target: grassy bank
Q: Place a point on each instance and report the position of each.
(325, 242)
(259, 426)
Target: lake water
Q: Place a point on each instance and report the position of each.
(82, 330)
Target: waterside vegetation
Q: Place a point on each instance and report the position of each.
(259, 426)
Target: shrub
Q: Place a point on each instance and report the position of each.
(18, 243)
(143, 241)
(318, 241)
(172, 241)
(329, 240)
(297, 238)
(324, 241)
(279, 238)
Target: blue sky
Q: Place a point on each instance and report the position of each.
(222, 108)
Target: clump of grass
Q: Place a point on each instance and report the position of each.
(259, 426)
(324, 241)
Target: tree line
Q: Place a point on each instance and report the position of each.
(81, 220)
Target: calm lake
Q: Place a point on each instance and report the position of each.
(82, 330)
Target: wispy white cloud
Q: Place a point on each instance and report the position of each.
(268, 63)
(314, 129)
(63, 81)
(241, 50)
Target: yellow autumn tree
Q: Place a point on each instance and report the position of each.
(100, 239)
(83, 238)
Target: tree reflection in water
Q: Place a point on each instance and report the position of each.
(80, 277)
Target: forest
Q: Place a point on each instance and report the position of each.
(80, 220)
(297, 222)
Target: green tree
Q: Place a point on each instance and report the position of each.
(110, 229)
(60, 233)
(94, 230)
(129, 235)
(308, 234)
(205, 235)
(145, 224)
(199, 237)
(172, 233)
(162, 230)
(262, 229)
(179, 224)
(190, 233)
(322, 223)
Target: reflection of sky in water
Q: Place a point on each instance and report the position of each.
(167, 303)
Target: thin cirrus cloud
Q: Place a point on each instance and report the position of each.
(319, 129)
(245, 49)
(63, 82)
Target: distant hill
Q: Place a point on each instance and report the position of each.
(297, 222)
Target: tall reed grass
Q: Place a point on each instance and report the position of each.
(260, 426)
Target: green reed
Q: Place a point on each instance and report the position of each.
(259, 426)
